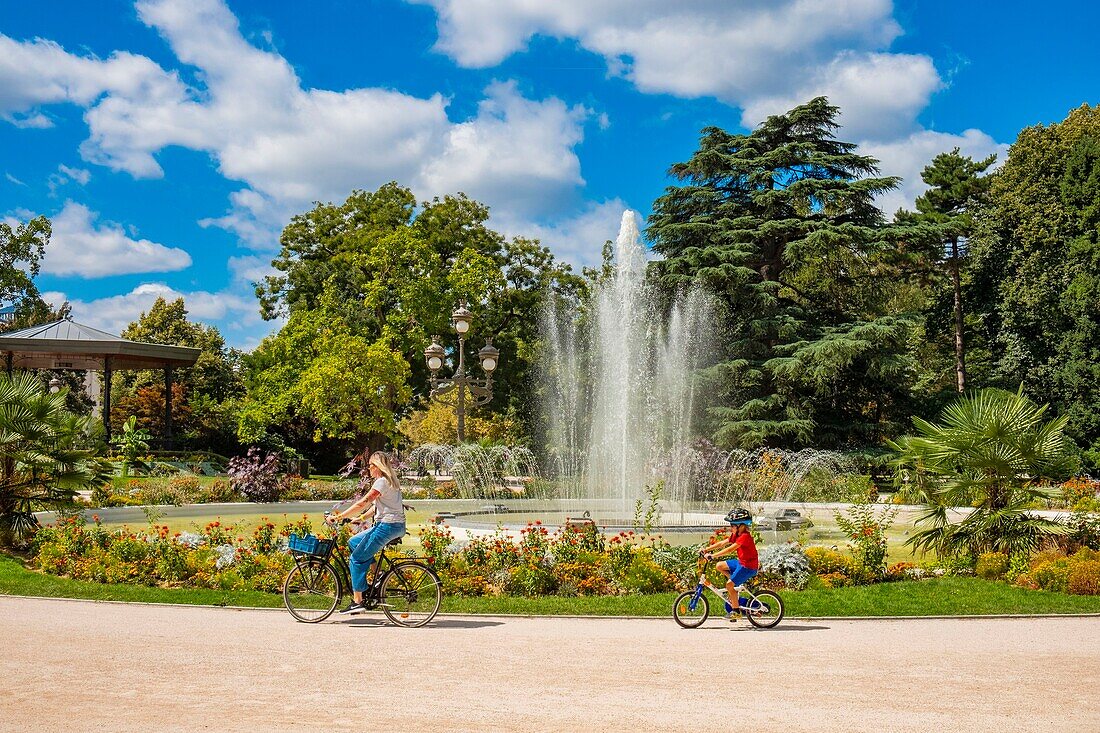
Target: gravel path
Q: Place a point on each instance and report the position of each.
(82, 666)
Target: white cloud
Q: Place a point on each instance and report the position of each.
(82, 247)
(290, 145)
(576, 239)
(115, 312)
(757, 54)
(250, 269)
(14, 180)
(762, 56)
(512, 151)
(908, 156)
(80, 175)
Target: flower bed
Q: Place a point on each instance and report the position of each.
(218, 556)
(574, 561)
(180, 490)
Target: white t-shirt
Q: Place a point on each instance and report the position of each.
(388, 506)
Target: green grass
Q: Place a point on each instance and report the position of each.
(943, 596)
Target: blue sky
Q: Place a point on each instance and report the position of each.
(170, 140)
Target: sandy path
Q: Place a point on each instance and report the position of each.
(80, 666)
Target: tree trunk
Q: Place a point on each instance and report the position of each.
(960, 349)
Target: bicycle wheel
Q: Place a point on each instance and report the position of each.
(311, 591)
(764, 610)
(684, 614)
(411, 594)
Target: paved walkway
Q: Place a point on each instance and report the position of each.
(80, 666)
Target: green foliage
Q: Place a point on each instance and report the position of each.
(992, 565)
(865, 526)
(204, 395)
(989, 451)
(1036, 270)
(364, 285)
(133, 442)
(781, 224)
(957, 191)
(786, 563)
(647, 512)
(47, 454)
(21, 250)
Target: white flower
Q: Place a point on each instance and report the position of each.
(226, 555)
(191, 540)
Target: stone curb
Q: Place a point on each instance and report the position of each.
(977, 617)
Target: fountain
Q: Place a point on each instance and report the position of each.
(619, 384)
(622, 410)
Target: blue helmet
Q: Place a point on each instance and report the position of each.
(739, 516)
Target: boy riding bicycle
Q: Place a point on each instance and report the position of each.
(740, 569)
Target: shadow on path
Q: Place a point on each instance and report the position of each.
(777, 630)
(439, 623)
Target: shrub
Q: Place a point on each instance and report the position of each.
(160, 492)
(1052, 576)
(531, 580)
(1018, 564)
(865, 526)
(679, 562)
(436, 541)
(645, 576)
(1084, 578)
(787, 563)
(991, 565)
(1084, 531)
(582, 576)
(218, 492)
(256, 475)
(823, 560)
(834, 580)
(904, 571)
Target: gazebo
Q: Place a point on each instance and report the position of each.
(65, 344)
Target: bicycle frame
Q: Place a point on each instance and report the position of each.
(706, 584)
(339, 560)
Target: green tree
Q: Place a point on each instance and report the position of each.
(781, 224)
(379, 275)
(1036, 269)
(991, 450)
(209, 389)
(21, 252)
(46, 453)
(957, 189)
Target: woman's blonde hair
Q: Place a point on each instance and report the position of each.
(380, 459)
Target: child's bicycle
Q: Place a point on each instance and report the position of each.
(407, 590)
(763, 608)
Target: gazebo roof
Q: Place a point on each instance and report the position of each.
(66, 344)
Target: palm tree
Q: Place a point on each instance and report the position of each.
(991, 452)
(46, 454)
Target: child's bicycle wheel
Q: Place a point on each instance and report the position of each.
(685, 615)
(764, 610)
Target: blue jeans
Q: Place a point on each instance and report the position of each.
(365, 546)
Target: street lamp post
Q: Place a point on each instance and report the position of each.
(480, 389)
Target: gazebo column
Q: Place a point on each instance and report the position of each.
(168, 407)
(107, 398)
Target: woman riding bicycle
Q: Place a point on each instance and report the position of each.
(389, 515)
(747, 564)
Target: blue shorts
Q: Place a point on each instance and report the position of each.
(739, 574)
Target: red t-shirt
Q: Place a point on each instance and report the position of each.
(746, 551)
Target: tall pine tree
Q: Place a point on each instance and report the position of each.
(956, 190)
(781, 224)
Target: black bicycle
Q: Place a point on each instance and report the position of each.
(409, 591)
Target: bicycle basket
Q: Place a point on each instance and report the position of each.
(309, 545)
